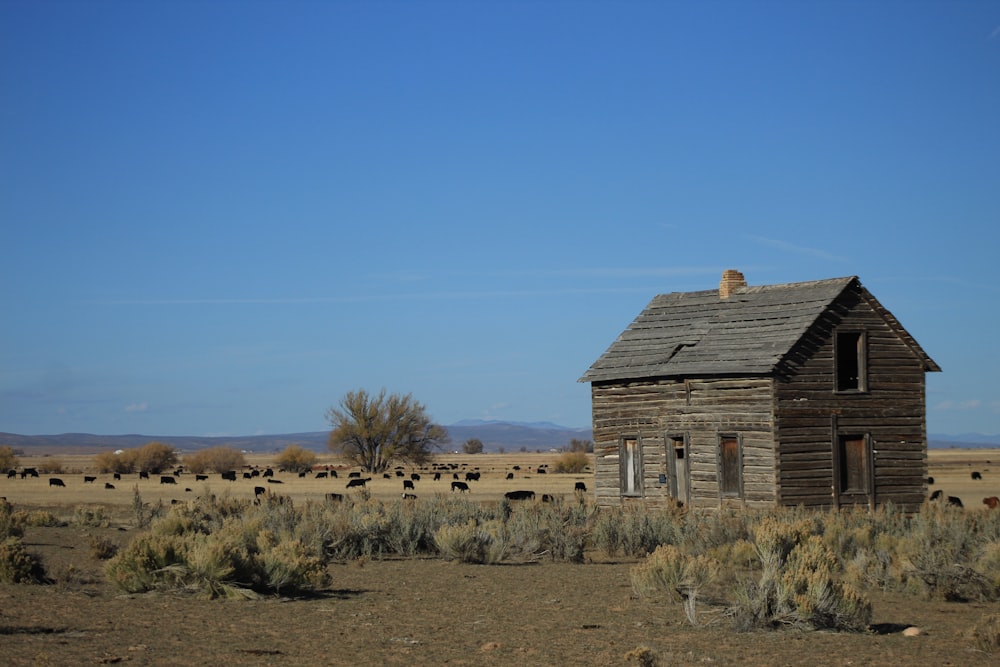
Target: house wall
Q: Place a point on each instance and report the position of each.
(699, 409)
(809, 414)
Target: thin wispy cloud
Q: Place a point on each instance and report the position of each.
(970, 404)
(367, 298)
(137, 407)
(796, 249)
(995, 33)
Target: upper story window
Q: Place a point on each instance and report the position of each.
(851, 360)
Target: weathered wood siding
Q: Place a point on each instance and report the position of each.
(810, 414)
(699, 409)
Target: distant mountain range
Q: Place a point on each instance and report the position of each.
(496, 436)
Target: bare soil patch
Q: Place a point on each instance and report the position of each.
(430, 612)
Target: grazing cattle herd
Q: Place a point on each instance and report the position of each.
(464, 477)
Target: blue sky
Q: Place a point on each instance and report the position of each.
(219, 217)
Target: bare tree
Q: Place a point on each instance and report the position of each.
(374, 431)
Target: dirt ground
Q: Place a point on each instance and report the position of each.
(432, 612)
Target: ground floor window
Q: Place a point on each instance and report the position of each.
(854, 464)
(677, 467)
(730, 467)
(630, 459)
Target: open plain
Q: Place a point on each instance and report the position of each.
(427, 611)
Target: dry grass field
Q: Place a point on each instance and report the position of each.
(492, 485)
(427, 611)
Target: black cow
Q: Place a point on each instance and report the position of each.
(143, 474)
(358, 481)
(472, 477)
(200, 478)
(459, 486)
(354, 475)
(930, 480)
(167, 479)
(117, 476)
(408, 484)
(437, 477)
(399, 473)
(259, 490)
(333, 473)
(976, 474)
(510, 475)
(55, 481)
(546, 498)
(109, 485)
(955, 501)
(11, 474)
(386, 475)
(321, 475)
(268, 473)
(335, 497)
(88, 479)
(415, 477)
(247, 475)
(519, 495)
(937, 495)
(271, 480)
(581, 487)
(409, 496)
(231, 475)
(541, 470)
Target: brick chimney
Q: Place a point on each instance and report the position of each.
(731, 279)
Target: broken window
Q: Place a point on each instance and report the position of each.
(850, 360)
(630, 461)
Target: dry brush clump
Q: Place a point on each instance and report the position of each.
(985, 634)
(295, 458)
(91, 516)
(153, 457)
(953, 553)
(215, 459)
(17, 565)
(8, 458)
(799, 583)
(635, 532)
(571, 462)
(682, 577)
(220, 547)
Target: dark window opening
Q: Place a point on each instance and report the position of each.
(850, 355)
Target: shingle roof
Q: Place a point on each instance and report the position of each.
(689, 334)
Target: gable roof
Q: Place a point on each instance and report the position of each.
(689, 334)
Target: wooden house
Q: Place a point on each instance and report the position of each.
(806, 393)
